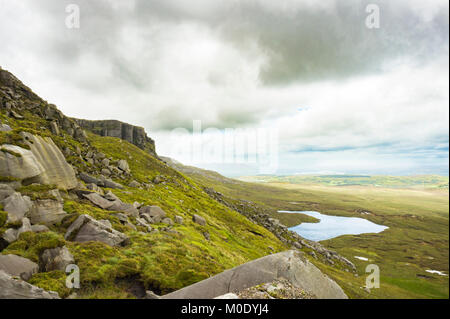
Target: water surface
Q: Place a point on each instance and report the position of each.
(333, 226)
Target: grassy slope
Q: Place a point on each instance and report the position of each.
(162, 261)
(416, 240)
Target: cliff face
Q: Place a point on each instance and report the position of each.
(130, 133)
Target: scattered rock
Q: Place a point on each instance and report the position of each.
(98, 200)
(134, 184)
(155, 212)
(88, 179)
(167, 221)
(39, 229)
(26, 227)
(179, 220)
(5, 191)
(11, 288)
(123, 165)
(199, 220)
(18, 266)
(85, 228)
(10, 235)
(16, 206)
(47, 212)
(55, 259)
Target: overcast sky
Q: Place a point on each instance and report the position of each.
(328, 93)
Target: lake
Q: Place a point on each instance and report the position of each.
(333, 226)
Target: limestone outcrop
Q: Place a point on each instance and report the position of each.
(11, 288)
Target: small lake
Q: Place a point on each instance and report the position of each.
(333, 226)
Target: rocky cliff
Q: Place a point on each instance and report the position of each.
(130, 133)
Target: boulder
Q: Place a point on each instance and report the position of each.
(16, 206)
(95, 188)
(56, 169)
(111, 196)
(155, 212)
(11, 288)
(119, 206)
(123, 165)
(167, 221)
(26, 227)
(290, 265)
(55, 259)
(10, 235)
(39, 229)
(109, 183)
(199, 220)
(88, 179)
(5, 128)
(179, 219)
(86, 228)
(5, 191)
(47, 212)
(98, 200)
(19, 163)
(134, 184)
(18, 266)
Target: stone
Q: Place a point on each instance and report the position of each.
(179, 220)
(55, 259)
(134, 184)
(155, 212)
(88, 179)
(111, 196)
(16, 206)
(54, 128)
(105, 172)
(18, 266)
(290, 265)
(5, 128)
(228, 296)
(105, 162)
(95, 188)
(10, 235)
(105, 222)
(123, 165)
(5, 191)
(19, 163)
(109, 183)
(167, 221)
(47, 212)
(207, 235)
(85, 228)
(11, 288)
(129, 209)
(56, 169)
(151, 295)
(199, 220)
(26, 227)
(98, 200)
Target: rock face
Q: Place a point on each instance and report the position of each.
(43, 163)
(11, 288)
(56, 170)
(55, 259)
(133, 134)
(85, 228)
(47, 211)
(289, 265)
(18, 266)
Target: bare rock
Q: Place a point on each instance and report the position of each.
(19, 163)
(86, 228)
(18, 266)
(199, 220)
(47, 212)
(11, 288)
(155, 212)
(55, 259)
(98, 200)
(16, 206)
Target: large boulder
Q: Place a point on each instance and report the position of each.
(16, 206)
(18, 266)
(86, 228)
(98, 200)
(129, 209)
(47, 212)
(56, 169)
(290, 265)
(155, 212)
(11, 288)
(55, 259)
(19, 163)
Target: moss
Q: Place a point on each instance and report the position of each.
(37, 191)
(31, 245)
(3, 217)
(4, 150)
(51, 281)
(8, 179)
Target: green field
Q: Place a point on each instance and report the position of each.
(417, 239)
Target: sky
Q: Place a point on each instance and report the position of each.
(249, 87)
